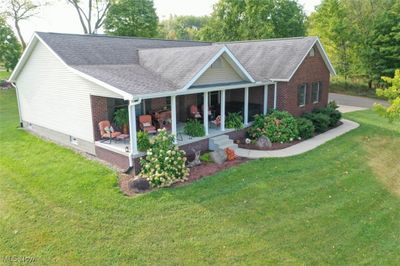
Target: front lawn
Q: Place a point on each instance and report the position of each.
(338, 204)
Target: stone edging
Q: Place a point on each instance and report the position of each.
(303, 146)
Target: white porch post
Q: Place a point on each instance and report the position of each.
(173, 116)
(246, 106)
(275, 96)
(223, 110)
(265, 110)
(205, 112)
(132, 128)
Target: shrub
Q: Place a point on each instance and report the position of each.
(305, 127)
(234, 120)
(143, 141)
(206, 158)
(334, 115)
(194, 128)
(278, 126)
(320, 121)
(164, 163)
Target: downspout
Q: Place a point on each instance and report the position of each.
(18, 104)
(132, 104)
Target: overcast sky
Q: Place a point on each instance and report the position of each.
(60, 17)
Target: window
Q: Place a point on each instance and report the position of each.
(301, 95)
(315, 92)
(312, 52)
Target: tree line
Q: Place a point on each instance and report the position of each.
(362, 37)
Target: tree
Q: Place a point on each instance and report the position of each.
(385, 43)
(93, 18)
(330, 22)
(182, 27)
(9, 46)
(254, 19)
(392, 93)
(132, 18)
(19, 10)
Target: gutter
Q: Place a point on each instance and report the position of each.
(18, 104)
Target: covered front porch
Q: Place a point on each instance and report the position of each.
(208, 105)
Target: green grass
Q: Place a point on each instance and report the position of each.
(354, 86)
(4, 75)
(333, 205)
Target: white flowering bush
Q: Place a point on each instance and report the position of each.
(165, 162)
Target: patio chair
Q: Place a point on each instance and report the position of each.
(107, 132)
(217, 121)
(194, 112)
(164, 120)
(145, 123)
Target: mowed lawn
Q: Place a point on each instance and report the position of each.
(339, 204)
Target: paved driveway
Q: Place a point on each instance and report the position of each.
(349, 103)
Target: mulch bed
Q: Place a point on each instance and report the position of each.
(275, 146)
(197, 172)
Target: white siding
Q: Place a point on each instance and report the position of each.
(219, 72)
(53, 97)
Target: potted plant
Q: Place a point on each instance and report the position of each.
(121, 119)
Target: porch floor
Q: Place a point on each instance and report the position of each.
(123, 147)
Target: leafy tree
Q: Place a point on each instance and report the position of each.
(9, 46)
(92, 18)
(132, 18)
(385, 43)
(392, 93)
(330, 22)
(19, 10)
(182, 27)
(254, 19)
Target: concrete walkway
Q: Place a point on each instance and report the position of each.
(303, 146)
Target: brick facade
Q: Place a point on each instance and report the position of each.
(119, 160)
(99, 107)
(313, 69)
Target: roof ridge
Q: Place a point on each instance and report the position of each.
(119, 37)
(267, 40)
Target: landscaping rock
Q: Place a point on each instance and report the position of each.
(139, 185)
(263, 142)
(196, 160)
(218, 156)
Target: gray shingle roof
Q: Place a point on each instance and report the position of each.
(178, 65)
(145, 66)
(272, 59)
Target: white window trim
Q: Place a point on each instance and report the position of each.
(317, 101)
(305, 95)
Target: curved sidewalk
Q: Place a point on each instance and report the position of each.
(303, 146)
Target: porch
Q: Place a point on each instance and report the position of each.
(206, 105)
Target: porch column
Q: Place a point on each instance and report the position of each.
(205, 112)
(265, 106)
(275, 92)
(132, 128)
(173, 117)
(223, 110)
(246, 106)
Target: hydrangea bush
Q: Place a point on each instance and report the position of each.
(165, 162)
(279, 126)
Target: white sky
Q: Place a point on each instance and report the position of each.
(58, 16)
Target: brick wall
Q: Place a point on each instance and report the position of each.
(113, 158)
(313, 69)
(99, 107)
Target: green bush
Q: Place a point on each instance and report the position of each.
(320, 121)
(234, 120)
(206, 158)
(164, 163)
(305, 127)
(278, 126)
(143, 141)
(194, 128)
(332, 112)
